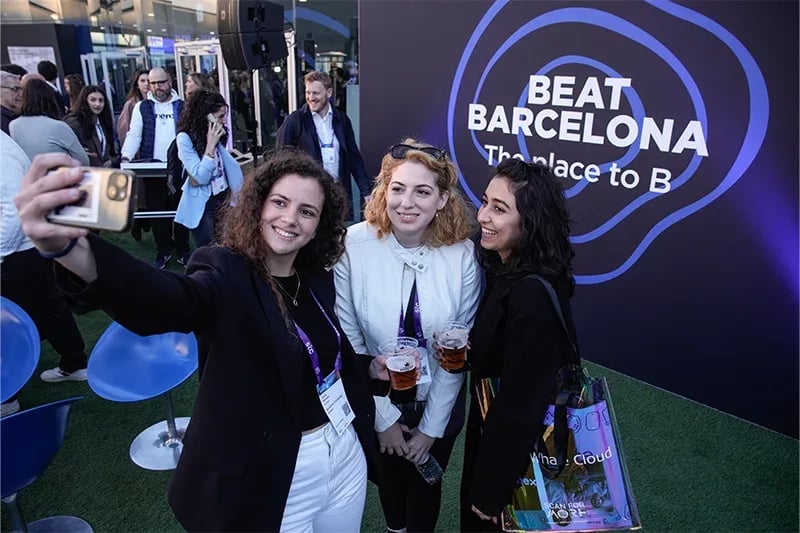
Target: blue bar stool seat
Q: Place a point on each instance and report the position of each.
(31, 439)
(125, 367)
(19, 348)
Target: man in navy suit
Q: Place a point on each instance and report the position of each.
(49, 71)
(326, 134)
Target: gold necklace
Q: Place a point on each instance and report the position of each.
(296, 292)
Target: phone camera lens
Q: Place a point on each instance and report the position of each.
(121, 180)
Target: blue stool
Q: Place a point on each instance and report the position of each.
(125, 367)
(19, 348)
(31, 439)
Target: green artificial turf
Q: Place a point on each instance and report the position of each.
(692, 468)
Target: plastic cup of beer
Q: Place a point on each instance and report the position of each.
(401, 361)
(451, 340)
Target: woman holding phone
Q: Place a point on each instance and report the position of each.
(271, 445)
(213, 177)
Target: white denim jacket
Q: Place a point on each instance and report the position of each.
(369, 299)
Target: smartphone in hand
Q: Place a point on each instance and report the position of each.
(107, 203)
(211, 118)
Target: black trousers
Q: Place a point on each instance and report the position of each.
(28, 281)
(407, 499)
(469, 520)
(165, 231)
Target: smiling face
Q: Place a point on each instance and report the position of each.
(289, 218)
(317, 96)
(96, 102)
(412, 200)
(501, 222)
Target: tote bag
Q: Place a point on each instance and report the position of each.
(577, 478)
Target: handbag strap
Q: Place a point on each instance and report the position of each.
(562, 399)
(557, 308)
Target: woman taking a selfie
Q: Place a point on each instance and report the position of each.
(271, 444)
(517, 335)
(410, 264)
(91, 121)
(213, 175)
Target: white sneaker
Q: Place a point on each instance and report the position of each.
(54, 375)
(9, 408)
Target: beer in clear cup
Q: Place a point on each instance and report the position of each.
(401, 361)
(451, 341)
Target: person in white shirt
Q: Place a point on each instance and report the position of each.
(326, 134)
(154, 123)
(27, 277)
(407, 269)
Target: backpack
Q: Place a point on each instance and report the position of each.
(176, 174)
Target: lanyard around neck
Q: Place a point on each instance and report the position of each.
(414, 305)
(312, 352)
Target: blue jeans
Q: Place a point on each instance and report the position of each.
(205, 233)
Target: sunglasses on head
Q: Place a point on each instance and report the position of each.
(399, 151)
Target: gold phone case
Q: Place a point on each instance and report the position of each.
(109, 202)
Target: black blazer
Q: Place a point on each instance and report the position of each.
(92, 143)
(299, 130)
(518, 338)
(241, 445)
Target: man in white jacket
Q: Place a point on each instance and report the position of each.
(153, 128)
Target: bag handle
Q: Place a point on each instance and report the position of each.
(562, 399)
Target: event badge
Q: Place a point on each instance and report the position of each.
(424, 370)
(218, 185)
(334, 402)
(328, 154)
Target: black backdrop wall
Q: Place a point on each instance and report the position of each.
(686, 230)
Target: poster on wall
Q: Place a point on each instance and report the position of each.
(29, 56)
(674, 128)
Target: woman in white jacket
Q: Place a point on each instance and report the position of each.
(213, 177)
(407, 269)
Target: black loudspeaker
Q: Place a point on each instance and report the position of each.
(250, 33)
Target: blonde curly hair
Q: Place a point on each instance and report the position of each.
(451, 224)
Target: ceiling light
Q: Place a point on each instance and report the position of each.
(151, 15)
(212, 33)
(149, 30)
(277, 68)
(53, 16)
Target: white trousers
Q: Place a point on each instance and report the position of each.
(329, 485)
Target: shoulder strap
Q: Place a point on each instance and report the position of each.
(557, 308)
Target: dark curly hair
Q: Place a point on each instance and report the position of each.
(85, 117)
(38, 98)
(193, 119)
(241, 225)
(544, 246)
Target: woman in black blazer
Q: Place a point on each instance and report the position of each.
(260, 452)
(91, 120)
(517, 335)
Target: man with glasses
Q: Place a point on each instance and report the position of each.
(153, 128)
(10, 98)
(327, 135)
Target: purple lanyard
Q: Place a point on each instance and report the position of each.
(312, 352)
(401, 331)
